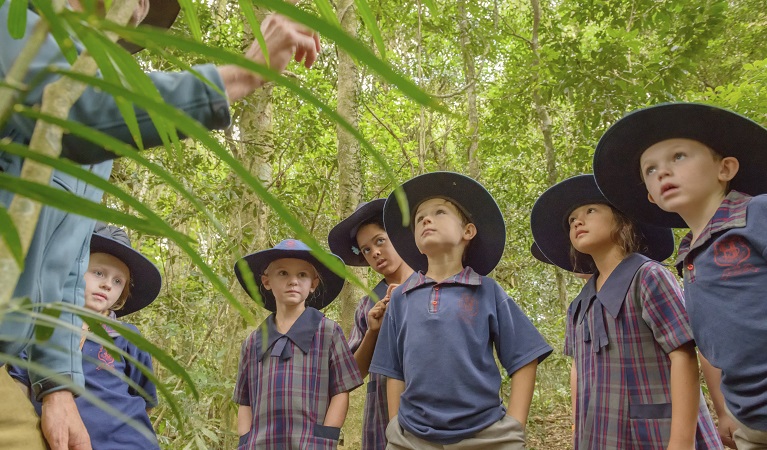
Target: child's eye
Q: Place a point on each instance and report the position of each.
(418, 219)
(649, 170)
(678, 156)
(303, 274)
(571, 220)
(282, 272)
(590, 210)
(380, 241)
(98, 273)
(118, 281)
(440, 211)
(365, 250)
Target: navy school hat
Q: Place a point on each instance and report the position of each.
(484, 251)
(538, 254)
(548, 221)
(616, 160)
(161, 14)
(144, 276)
(330, 283)
(342, 239)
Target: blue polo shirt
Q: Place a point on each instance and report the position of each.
(439, 338)
(725, 283)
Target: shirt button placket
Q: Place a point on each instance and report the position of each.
(434, 299)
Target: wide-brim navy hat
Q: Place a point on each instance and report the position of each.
(538, 254)
(327, 291)
(342, 239)
(145, 278)
(162, 14)
(616, 160)
(548, 221)
(484, 251)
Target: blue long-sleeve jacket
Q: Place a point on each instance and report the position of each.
(58, 256)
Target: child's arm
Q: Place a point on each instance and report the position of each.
(522, 386)
(364, 354)
(394, 390)
(713, 377)
(685, 395)
(339, 405)
(244, 419)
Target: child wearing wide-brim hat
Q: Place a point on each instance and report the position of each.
(296, 369)
(627, 330)
(435, 342)
(703, 167)
(361, 240)
(119, 281)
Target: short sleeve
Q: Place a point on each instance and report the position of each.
(360, 323)
(387, 357)
(245, 373)
(18, 373)
(344, 374)
(138, 376)
(516, 339)
(662, 306)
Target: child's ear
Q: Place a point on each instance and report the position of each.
(469, 231)
(315, 283)
(265, 282)
(728, 168)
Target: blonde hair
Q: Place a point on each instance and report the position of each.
(124, 295)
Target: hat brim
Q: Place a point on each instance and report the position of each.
(548, 221)
(340, 239)
(146, 280)
(616, 159)
(484, 251)
(162, 14)
(327, 291)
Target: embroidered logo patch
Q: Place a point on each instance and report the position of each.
(469, 308)
(105, 358)
(733, 253)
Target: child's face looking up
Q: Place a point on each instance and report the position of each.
(376, 247)
(591, 227)
(439, 224)
(105, 281)
(291, 280)
(683, 175)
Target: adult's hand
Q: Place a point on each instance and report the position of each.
(285, 41)
(61, 423)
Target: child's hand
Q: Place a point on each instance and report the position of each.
(376, 313)
(726, 429)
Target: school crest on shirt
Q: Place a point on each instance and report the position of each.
(105, 358)
(732, 254)
(468, 308)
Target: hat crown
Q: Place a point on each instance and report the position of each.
(291, 244)
(112, 232)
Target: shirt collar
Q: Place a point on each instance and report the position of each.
(301, 333)
(730, 214)
(111, 332)
(613, 292)
(380, 290)
(466, 277)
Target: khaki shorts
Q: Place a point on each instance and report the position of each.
(19, 424)
(747, 438)
(506, 434)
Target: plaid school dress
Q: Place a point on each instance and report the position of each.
(288, 381)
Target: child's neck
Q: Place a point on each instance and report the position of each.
(698, 218)
(286, 316)
(444, 266)
(606, 263)
(402, 273)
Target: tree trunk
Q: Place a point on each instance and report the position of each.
(544, 121)
(349, 166)
(469, 72)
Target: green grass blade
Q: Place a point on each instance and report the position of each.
(11, 237)
(370, 22)
(17, 18)
(326, 11)
(246, 6)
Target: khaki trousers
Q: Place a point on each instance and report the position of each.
(747, 438)
(19, 423)
(506, 434)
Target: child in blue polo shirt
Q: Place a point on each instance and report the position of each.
(119, 281)
(361, 240)
(699, 166)
(635, 367)
(296, 369)
(441, 326)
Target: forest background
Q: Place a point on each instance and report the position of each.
(521, 91)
